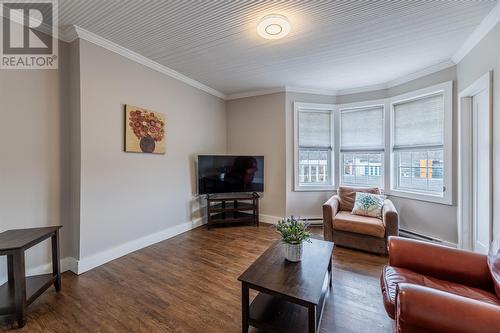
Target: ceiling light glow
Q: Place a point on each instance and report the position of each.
(273, 26)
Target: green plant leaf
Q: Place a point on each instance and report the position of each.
(293, 231)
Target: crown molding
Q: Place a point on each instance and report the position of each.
(325, 92)
(373, 87)
(421, 73)
(255, 93)
(291, 89)
(302, 90)
(401, 80)
(75, 32)
(486, 25)
(68, 34)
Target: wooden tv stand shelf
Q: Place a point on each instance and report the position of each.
(224, 209)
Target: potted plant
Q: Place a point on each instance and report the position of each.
(293, 234)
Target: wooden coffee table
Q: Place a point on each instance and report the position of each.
(291, 295)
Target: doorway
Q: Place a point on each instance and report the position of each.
(475, 166)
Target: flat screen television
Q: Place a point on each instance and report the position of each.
(230, 174)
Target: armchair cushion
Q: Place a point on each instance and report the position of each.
(347, 196)
(394, 276)
(345, 221)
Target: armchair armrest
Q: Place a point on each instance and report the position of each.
(441, 262)
(330, 209)
(438, 311)
(390, 218)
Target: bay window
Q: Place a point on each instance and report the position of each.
(407, 151)
(314, 147)
(421, 144)
(362, 146)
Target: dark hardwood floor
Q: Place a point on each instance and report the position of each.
(189, 284)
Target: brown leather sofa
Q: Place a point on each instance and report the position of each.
(358, 232)
(433, 288)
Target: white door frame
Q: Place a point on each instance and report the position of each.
(465, 169)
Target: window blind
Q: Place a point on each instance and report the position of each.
(315, 129)
(362, 129)
(419, 122)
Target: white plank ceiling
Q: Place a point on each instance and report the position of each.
(333, 45)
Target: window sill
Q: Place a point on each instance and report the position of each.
(315, 189)
(445, 200)
(363, 186)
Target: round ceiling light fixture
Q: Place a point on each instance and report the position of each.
(273, 26)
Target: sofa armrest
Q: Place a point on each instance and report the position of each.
(441, 262)
(390, 218)
(432, 310)
(330, 209)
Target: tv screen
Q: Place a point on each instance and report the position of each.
(229, 174)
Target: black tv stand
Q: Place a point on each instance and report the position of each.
(232, 208)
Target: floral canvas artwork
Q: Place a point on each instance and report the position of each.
(144, 131)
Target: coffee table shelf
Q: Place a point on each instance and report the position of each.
(273, 314)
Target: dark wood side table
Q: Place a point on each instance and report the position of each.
(20, 291)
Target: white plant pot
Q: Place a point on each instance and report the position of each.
(293, 252)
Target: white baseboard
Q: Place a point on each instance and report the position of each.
(87, 263)
(269, 219)
(274, 219)
(67, 264)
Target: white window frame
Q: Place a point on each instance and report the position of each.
(447, 198)
(313, 107)
(352, 107)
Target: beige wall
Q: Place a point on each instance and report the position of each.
(126, 196)
(63, 160)
(33, 150)
(72, 85)
(256, 125)
(483, 58)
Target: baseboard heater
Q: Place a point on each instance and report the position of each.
(414, 235)
(314, 221)
(317, 221)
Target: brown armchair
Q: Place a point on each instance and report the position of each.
(358, 232)
(432, 288)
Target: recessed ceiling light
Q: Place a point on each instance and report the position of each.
(273, 26)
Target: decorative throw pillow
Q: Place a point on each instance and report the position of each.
(367, 204)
